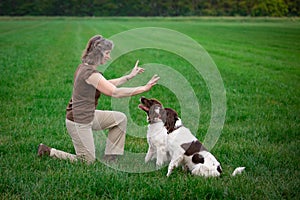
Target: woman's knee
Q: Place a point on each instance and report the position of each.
(121, 120)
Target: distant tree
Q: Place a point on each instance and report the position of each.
(293, 7)
(275, 8)
(244, 7)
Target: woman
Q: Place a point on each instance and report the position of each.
(82, 116)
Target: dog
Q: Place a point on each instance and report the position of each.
(186, 150)
(156, 133)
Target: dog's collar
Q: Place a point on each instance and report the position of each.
(177, 127)
(154, 122)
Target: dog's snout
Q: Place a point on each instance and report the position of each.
(219, 169)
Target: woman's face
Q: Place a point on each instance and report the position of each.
(106, 56)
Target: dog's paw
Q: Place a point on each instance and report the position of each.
(185, 168)
(159, 164)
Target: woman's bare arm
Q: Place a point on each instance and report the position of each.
(109, 89)
(135, 71)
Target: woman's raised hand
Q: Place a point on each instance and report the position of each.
(136, 70)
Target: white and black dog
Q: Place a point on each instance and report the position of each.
(156, 133)
(186, 150)
(170, 141)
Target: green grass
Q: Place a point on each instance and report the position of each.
(258, 60)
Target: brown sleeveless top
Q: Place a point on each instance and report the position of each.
(82, 105)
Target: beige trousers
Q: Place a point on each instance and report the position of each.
(83, 140)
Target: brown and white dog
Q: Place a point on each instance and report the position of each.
(186, 150)
(156, 133)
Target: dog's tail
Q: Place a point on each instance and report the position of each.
(238, 170)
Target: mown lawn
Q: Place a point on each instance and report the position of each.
(258, 60)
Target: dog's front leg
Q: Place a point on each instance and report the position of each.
(149, 154)
(162, 156)
(174, 163)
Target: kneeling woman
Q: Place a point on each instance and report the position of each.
(82, 117)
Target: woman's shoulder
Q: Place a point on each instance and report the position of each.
(88, 70)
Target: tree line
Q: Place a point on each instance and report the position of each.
(273, 8)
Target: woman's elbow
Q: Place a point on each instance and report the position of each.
(112, 92)
(116, 93)
(116, 96)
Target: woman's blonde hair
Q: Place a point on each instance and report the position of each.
(93, 53)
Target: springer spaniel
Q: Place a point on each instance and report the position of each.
(186, 150)
(156, 133)
(169, 140)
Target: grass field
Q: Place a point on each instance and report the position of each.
(258, 60)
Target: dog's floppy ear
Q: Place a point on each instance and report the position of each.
(171, 118)
(170, 124)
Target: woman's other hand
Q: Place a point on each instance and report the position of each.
(152, 82)
(136, 70)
